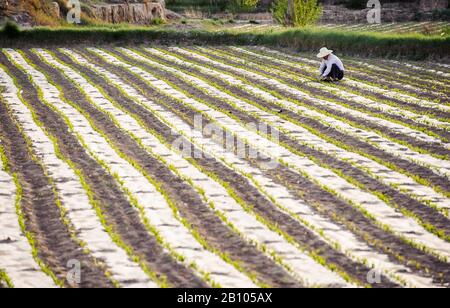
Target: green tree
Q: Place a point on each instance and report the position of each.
(243, 5)
(298, 13)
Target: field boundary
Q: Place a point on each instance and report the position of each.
(413, 46)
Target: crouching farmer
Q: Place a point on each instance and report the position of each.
(332, 68)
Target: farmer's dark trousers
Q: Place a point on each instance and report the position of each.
(336, 72)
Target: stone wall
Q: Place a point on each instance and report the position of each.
(391, 12)
(136, 13)
(429, 5)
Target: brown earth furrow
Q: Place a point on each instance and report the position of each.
(432, 148)
(43, 219)
(441, 115)
(427, 76)
(186, 198)
(364, 77)
(354, 143)
(240, 185)
(334, 209)
(372, 78)
(425, 83)
(400, 200)
(117, 209)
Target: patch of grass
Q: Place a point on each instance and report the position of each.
(412, 46)
(11, 30)
(157, 21)
(5, 281)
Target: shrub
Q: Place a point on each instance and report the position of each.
(356, 4)
(441, 14)
(11, 29)
(306, 12)
(157, 21)
(237, 6)
(279, 11)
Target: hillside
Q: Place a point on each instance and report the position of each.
(52, 12)
(34, 12)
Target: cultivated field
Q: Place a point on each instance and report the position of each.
(427, 28)
(223, 167)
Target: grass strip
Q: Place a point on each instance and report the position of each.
(411, 46)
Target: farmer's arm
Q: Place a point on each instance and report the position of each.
(322, 66)
(329, 65)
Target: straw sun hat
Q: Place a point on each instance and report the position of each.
(324, 52)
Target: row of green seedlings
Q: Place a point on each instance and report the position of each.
(210, 112)
(24, 251)
(271, 75)
(329, 119)
(306, 138)
(5, 280)
(189, 178)
(197, 83)
(366, 87)
(444, 204)
(138, 203)
(419, 73)
(19, 192)
(88, 246)
(350, 84)
(412, 82)
(361, 74)
(237, 199)
(171, 120)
